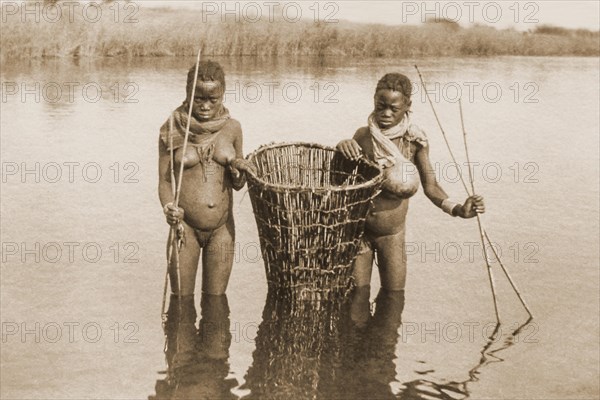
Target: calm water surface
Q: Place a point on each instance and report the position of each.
(533, 130)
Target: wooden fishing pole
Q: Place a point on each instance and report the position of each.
(173, 236)
(479, 224)
(508, 277)
(442, 130)
(482, 231)
(172, 232)
(187, 130)
(487, 262)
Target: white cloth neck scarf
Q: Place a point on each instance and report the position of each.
(385, 151)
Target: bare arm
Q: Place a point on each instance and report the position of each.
(434, 192)
(239, 179)
(352, 148)
(164, 185)
(165, 190)
(431, 187)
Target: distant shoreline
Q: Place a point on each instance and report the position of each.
(172, 33)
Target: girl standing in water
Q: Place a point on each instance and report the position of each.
(394, 143)
(213, 166)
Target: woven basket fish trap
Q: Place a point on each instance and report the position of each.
(310, 205)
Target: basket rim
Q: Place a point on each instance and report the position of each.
(369, 183)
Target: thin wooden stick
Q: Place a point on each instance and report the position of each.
(509, 278)
(172, 164)
(187, 131)
(489, 269)
(482, 231)
(166, 284)
(442, 130)
(177, 190)
(171, 239)
(485, 253)
(180, 176)
(462, 124)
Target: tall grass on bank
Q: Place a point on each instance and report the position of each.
(167, 32)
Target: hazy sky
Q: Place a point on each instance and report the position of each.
(501, 14)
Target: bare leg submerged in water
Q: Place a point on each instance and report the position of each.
(197, 357)
(400, 149)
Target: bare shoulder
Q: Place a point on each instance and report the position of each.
(234, 125)
(362, 135)
(233, 129)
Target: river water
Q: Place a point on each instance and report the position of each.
(83, 235)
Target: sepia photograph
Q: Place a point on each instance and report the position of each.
(300, 200)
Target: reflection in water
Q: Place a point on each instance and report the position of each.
(427, 389)
(369, 346)
(320, 350)
(297, 347)
(304, 350)
(197, 359)
(308, 350)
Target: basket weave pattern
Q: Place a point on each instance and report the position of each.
(310, 205)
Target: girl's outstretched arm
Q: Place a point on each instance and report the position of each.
(434, 191)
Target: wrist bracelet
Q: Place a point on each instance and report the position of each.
(448, 206)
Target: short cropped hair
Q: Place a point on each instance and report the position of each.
(207, 71)
(395, 82)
